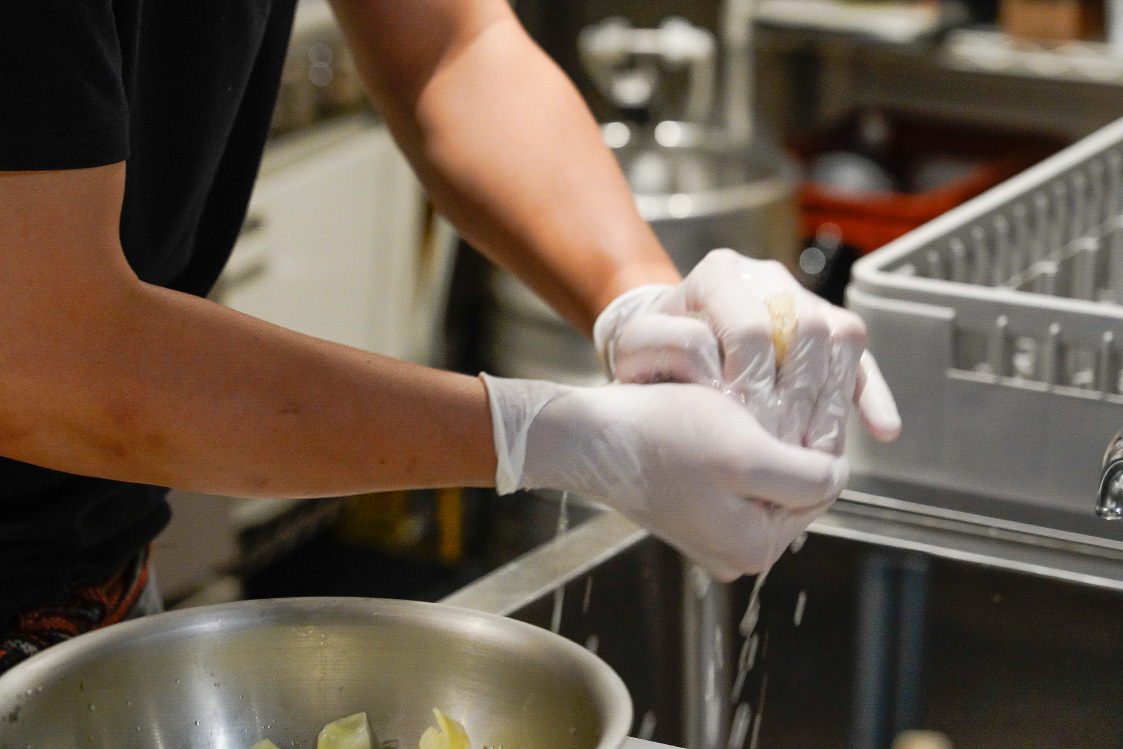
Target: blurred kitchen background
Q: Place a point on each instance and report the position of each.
(809, 131)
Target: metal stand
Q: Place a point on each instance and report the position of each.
(892, 603)
(706, 636)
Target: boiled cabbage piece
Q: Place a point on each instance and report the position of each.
(450, 736)
(352, 732)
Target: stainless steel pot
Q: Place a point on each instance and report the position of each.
(227, 676)
(699, 191)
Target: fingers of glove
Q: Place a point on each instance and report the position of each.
(730, 537)
(712, 270)
(826, 430)
(789, 526)
(619, 313)
(875, 402)
(663, 348)
(742, 325)
(791, 476)
(803, 373)
(736, 295)
(721, 264)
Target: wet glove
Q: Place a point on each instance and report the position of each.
(689, 464)
(749, 328)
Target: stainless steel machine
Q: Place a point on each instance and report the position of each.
(702, 174)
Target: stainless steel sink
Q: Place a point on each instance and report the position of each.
(681, 642)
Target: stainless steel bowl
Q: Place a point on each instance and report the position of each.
(227, 676)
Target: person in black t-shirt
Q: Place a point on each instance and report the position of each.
(130, 137)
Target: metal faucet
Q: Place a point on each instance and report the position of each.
(1110, 506)
(736, 27)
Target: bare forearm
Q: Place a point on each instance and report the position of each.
(510, 153)
(177, 391)
(529, 170)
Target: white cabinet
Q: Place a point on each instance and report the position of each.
(335, 243)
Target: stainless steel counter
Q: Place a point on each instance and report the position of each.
(875, 512)
(955, 526)
(669, 639)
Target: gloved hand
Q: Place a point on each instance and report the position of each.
(690, 465)
(748, 327)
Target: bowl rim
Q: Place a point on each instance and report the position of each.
(606, 687)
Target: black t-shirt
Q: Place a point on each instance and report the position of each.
(183, 91)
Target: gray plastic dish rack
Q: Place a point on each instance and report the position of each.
(999, 327)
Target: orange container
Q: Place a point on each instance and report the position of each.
(1052, 20)
(870, 220)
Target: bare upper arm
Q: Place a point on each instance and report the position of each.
(60, 223)
(400, 44)
(61, 264)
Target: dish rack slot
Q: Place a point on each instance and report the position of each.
(999, 326)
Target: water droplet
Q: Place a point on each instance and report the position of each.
(128, 703)
(646, 726)
(759, 708)
(752, 612)
(756, 733)
(559, 593)
(738, 686)
(745, 664)
(92, 707)
(196, 722)
(800, 605)
(798, 543)
(751, 617)
(177, 681)
(699, 581)
(750, 660)
(740, 728)
(592, 644)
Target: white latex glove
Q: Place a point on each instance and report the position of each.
(690, 465)
(716, 328)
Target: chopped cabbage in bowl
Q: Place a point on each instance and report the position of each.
(353, 732)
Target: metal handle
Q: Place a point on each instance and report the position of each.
(626, 64)
(1110, 505)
